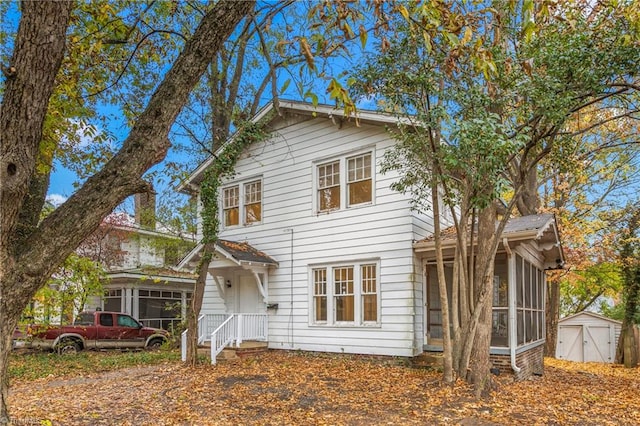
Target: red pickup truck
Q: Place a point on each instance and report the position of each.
(96, 330)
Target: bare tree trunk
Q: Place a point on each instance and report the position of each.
(479, 365)
(474, 362)
(552, 315)
(627, 349)
(196, 304)
(442, 284)
(30, 252)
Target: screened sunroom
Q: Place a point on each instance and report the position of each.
(530, 246)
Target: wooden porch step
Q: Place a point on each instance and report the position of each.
(232, 352)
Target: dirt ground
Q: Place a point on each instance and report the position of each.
(283, 388)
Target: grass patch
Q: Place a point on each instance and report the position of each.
(35, 365)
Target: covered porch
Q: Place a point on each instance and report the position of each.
(240, 274)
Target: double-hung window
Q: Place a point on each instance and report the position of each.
(231, 205)
(244, 201)
(345, 294)
(344, 182)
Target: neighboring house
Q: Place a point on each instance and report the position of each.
(322, 253)
(143, 282)
(588, 337)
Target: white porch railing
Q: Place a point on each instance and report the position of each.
(237, 328)
(224, 329)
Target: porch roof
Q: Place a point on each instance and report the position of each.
(540, 228)
(244, 253)
(238, 252)
(152, 273)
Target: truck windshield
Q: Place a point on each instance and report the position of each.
(85, 318)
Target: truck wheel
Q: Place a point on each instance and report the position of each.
(68, 346)
(155, 344)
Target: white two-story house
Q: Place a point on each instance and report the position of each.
(319, 249)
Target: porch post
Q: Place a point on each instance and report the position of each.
(239, 331)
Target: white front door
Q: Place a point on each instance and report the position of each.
(248, 299)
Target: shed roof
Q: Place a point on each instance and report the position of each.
(591, 314)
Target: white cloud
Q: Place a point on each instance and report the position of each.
(56, 199)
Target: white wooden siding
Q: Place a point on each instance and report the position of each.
(383, 231)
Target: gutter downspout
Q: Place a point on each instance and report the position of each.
(513, 324)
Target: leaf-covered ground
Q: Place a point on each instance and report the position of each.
(280, 388)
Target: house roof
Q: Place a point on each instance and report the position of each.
(241, 253)
(541, 228)
(295, 107)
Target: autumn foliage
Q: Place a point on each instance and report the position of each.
(281, 387)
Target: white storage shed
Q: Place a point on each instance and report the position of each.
(587, 337)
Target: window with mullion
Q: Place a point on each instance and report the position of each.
(231, 205)
(369, 293)
(343, 294)
(329, 186)
(252, 202)
(320, 295)
(359, 182)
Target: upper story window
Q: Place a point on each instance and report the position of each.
(252, 202)
(344, 182)
(250, 193)
(359, 179)
(231, 205)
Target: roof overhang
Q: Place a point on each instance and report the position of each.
(142, 275)
(542, 230)
(190, 185)
(238, 254)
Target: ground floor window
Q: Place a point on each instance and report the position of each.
(346, 294)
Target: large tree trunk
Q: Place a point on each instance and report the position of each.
(196, 304)
(29, 253)
(479, 364)
(552, 315)
(627, 349)
(38, 52)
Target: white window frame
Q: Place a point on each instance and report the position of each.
(344, 180)
(242, 202)
(330, 294)
(231, 206)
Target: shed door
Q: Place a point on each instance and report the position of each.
(586, 343)
(597, 347)
(570, 343)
